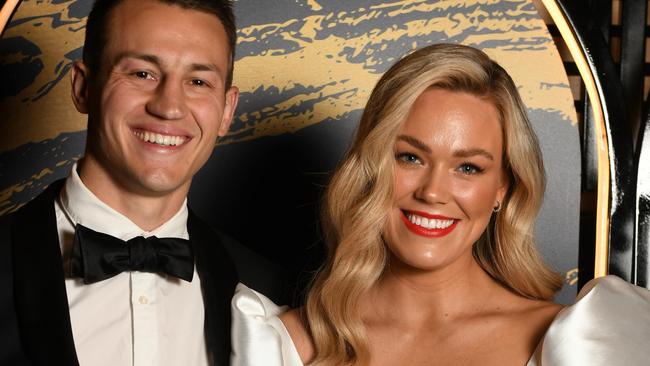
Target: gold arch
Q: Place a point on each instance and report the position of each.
(5, 13)
(601, 257)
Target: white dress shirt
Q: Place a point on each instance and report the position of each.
(134, 318)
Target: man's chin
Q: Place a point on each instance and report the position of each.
(161, 184)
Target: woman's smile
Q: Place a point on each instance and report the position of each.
(428, 225)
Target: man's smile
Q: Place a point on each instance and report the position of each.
(160, 139)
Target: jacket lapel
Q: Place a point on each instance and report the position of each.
(39, 285)
(218, 280)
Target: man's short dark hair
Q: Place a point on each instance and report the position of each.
(97, 27)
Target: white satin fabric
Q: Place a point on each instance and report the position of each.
(608, 325)
(258, 335)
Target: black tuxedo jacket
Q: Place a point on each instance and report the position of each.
(34, 316)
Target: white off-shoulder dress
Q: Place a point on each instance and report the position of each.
(609, 325)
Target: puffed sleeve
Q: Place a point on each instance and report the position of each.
(608, 325)
(258, 335)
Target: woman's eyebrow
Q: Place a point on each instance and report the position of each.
(466, 153)
(414, 142)
(461, 153)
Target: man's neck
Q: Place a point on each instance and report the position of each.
(147, 211)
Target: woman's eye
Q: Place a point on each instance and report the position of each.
(408, 158)
(470, 169)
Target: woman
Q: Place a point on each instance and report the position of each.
(430, 229)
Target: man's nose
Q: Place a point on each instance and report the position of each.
(168, 101)
(434, 186)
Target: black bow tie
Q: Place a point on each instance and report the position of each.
(97, 256)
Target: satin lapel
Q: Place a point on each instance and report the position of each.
(218, 280)
(39, 285)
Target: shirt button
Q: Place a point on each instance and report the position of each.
(143, 300)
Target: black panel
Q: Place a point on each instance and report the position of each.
(643, 207)
(633, 58)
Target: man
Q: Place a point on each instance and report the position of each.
(82, 278)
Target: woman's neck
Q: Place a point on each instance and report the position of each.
(420, 296)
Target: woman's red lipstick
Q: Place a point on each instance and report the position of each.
(431, 233)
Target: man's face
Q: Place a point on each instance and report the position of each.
(158, 101)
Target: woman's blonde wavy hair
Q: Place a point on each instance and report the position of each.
(360, 195)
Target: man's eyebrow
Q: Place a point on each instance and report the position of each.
(466, 153)
(414, 142)
(139, 56)
(157, 61)
(204, 67)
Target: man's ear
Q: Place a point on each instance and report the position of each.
(232, 97)
(79, 78)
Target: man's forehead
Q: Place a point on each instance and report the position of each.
(128, 6)
(134, 20)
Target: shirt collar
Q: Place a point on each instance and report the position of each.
(81, 206)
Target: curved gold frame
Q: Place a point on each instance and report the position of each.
(602, 205)
(6, 11)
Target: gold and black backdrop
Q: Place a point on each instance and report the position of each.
(305, 69)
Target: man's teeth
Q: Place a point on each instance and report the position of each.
(429, 223)
(156, 138)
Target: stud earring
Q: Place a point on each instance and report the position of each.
(497, 208)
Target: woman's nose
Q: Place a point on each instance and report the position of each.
(434, 186)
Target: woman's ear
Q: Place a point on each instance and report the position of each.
(79, 78)
(504, 185)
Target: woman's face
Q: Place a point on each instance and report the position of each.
(448, 178)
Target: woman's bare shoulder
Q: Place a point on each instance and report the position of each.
(520, 324)
(541, 310)
(296, 326)
(529, 319)
(532, 314)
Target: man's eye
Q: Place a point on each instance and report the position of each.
(470, 169)
(407, 158)
(199, 82)
(143, 75)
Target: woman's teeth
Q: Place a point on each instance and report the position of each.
(156, 138)
(429, 223)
